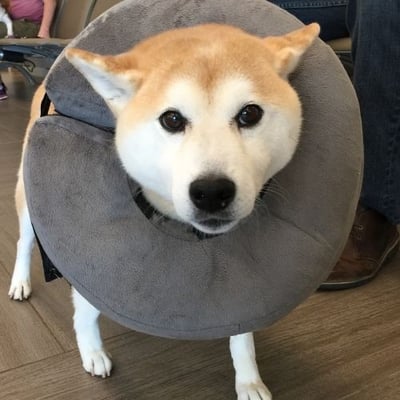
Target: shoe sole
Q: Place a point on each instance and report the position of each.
(386, 258)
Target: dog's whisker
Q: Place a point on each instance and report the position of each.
(276, 189)
(277, 194)
(261, 206)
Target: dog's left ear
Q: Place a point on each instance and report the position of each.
(115, 78)
(288, 49)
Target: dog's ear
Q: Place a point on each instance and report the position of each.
(113, 77)
(288, 49)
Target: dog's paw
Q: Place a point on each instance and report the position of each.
(253, 391)
(20, 290)
(97, 363)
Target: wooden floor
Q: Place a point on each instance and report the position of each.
(335, 346)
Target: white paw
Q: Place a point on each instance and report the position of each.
(20, 290)
(97, 363)
(253, 391)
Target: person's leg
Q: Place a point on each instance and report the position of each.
(375, 31)
(330, 14)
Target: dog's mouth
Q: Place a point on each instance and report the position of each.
(214, 225)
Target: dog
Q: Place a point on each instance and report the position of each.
(5, 18)
(211, 117)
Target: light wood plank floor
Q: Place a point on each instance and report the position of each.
(335, 346)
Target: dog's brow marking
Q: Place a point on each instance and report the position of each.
(231, 93)
(186, 96)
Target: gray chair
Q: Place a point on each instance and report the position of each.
(69, 20)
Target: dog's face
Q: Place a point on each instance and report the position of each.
(205, 116)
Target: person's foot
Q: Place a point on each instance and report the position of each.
(372, 242)
(3, 91)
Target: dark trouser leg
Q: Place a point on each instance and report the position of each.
(375, 31)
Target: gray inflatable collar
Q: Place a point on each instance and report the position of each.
(154, 276)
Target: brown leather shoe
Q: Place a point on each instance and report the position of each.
(373, 241)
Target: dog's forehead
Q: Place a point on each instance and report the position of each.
(188, 93)
(211, 88)
(206, 52)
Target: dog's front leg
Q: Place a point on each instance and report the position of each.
(20, 287)
(249, 385)
(95, 359)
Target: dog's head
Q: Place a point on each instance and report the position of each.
(205, 116)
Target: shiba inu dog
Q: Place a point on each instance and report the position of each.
(205, 116)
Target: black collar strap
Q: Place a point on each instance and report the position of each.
(45, 105)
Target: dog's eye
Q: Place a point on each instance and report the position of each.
(173, 121)
(249, 116)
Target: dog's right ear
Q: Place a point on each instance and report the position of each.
(288, 49)
(113, 77)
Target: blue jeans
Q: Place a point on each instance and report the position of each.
(374, 26)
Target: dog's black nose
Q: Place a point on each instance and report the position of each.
(212, 194)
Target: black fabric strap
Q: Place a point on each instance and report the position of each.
(49, 269)
(45, 105)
